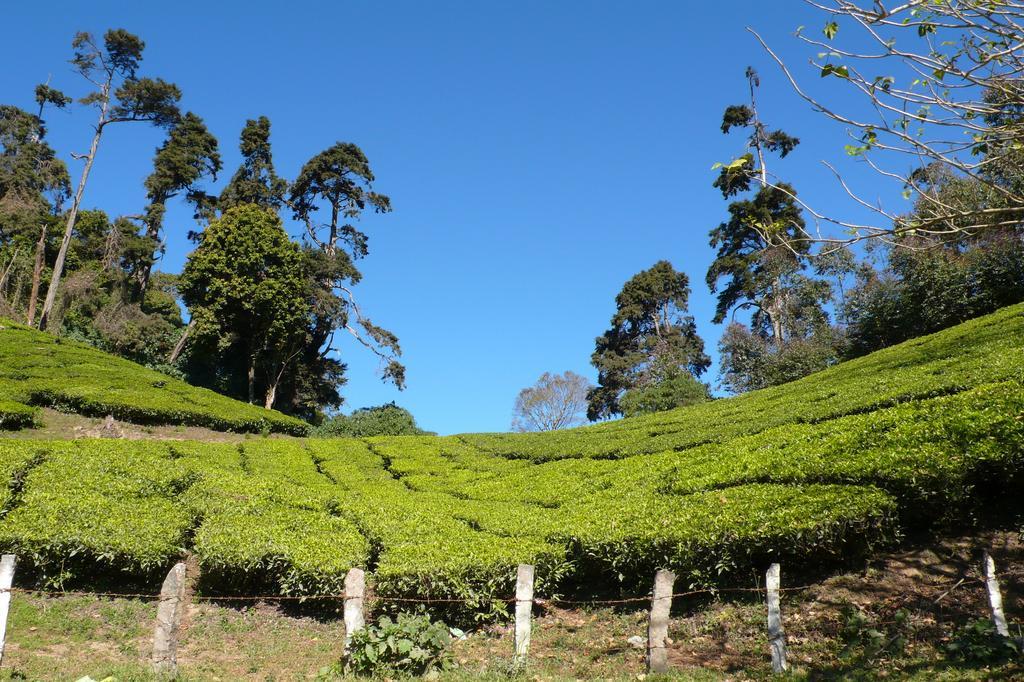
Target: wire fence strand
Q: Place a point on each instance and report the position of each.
(375, 598)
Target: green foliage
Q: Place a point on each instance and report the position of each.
(978, 642)
(15, 415)
(114, 512)
(255, 182)
(246, 289)
(652, 338)
(866, 642)
(928, 289)
(383, 420)
(189, 153)
(751, 361)
(681, 390)
(33, 181)
(409, 645)
(38, 369)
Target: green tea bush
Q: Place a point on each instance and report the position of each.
(41, 370)
(92, 506)
(15, 415)
(292, 551)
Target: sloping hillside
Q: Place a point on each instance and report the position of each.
(915, 437)
(37, 369)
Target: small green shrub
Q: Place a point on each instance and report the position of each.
(978, 642)
(409, 645)
(867, 641)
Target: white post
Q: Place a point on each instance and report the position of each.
(524, 611)
(657, 626)
(168, 620)
(776, 636)
(6, 580)
(995, 597)
(355, 590)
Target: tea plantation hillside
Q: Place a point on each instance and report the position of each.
(37, 369)
(918, 437)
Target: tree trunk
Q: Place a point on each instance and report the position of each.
(271, 396)
(252, 379)
(142, 278)
(180, 345)
(37, 275)
(7, 271)
(58, 266)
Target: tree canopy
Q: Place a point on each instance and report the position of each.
(556, 401)
(651, 338)
(247, 291)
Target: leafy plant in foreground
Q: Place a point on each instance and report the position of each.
(978, 642)
(410, 644)
(866, 641)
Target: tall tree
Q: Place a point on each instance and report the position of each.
(652, 339)
(758, 251)
(764, 261)
(246, 288)
(33, 181)
(338, 182)
(120, 97)
(556, 401)
(189, 154)
(255, 181)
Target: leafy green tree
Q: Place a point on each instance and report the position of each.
(920, 291)
(94, 304)
(246, 289)
(384, 420)
(120, 97)
(332, 191)
(750, 361)
(652, 338)
(255, 182)
(33, 181)
(189, 154)
(680, 390)
(556, 401)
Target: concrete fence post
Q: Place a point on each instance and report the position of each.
(355, 593)
(995, 597)
(776, 635)
(168, 621)
(6, 580)
(657, 626)
(524, 613)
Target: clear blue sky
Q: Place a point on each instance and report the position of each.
(537, 154)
